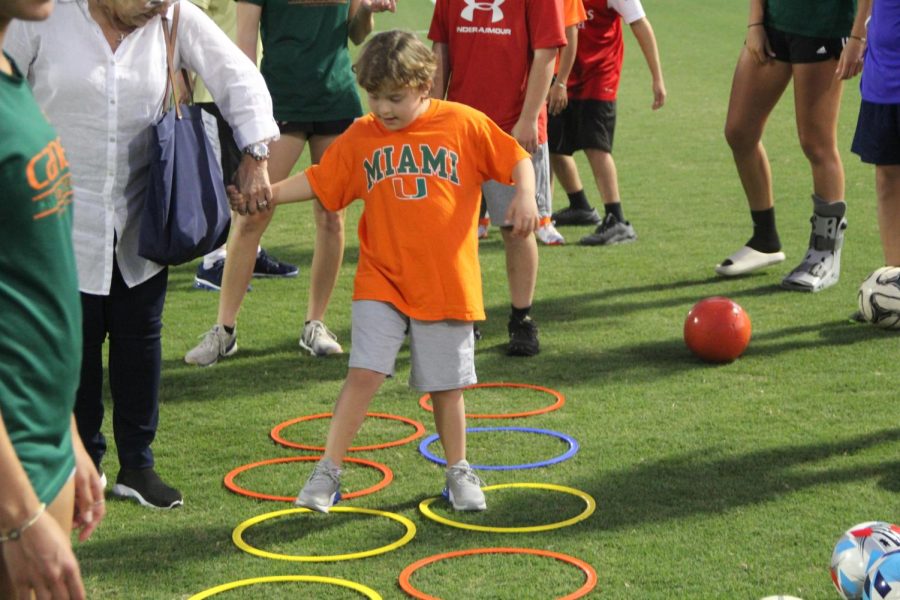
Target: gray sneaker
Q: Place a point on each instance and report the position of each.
(464, 488)
(611, 231)
(821, 267)
(216, 343)
(318, 339)
(323, 488)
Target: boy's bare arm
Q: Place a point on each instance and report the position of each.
(522, 213)
(558, 98)
(292, 189)
(526, 130)
(643, 32)
(442, 73)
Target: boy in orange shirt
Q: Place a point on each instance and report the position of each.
(418, 164)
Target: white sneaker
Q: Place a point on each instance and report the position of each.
(549, 236)
(318, 339)
(821, 267)
(216, 343)
(464, 488)
(484, 225)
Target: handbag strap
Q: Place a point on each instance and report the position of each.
(170, 36)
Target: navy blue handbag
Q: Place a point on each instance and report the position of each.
(186, 212)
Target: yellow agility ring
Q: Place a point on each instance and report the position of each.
(237, 535)
(362, 589)
(591, 506)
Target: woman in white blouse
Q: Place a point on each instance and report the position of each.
(98, 70)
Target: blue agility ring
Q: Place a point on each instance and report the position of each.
(573, 448)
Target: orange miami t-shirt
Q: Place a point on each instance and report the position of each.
(418, 243)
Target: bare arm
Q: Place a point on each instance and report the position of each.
(558, 97)
(293, 189)
(362, 17)
(442, 73)
(851, 61)
(643, 32)
(757, 42)
(525, 130)
(522, 212)
(248, 16)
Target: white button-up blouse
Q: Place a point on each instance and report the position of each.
(102, 103)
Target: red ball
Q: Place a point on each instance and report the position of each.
(717, 329)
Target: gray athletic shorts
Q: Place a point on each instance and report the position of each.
(498, 196)
(442, 353)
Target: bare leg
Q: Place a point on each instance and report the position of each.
(350, 411)
(887, 186)
(247, 230)
(450, 421)
(817, 101)
(605, 175)
(755, 90)
(566, 171)
(328, 253)
(521, 267)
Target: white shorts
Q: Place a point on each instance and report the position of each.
(442, 353)
(498, 196)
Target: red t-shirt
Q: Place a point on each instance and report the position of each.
(598, 61)
(418, 242)
(491, 45)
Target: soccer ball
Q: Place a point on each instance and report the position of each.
(717, 329)
(879, 298)
(856, 551)
(883, 580)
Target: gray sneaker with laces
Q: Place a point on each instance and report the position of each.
(323, 488)
(463, 489)
(611, 231)
(216, 343)
(318, 339)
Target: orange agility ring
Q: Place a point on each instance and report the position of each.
(589, 572)
(276, 433)
(560, 400)
(231, 485)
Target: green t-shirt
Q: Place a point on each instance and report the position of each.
(40, 327)
(305, 59)
(812, 18)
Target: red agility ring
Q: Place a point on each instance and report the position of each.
(560, 400)
(275, 434)
(589, 572)
(231, 485)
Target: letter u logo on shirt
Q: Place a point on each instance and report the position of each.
(400, 190)
(468, 13)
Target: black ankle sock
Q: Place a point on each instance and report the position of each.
(578, 200)
(482, 212)
(228, 330)
(615, 209)
(519, 314)
(765, 235)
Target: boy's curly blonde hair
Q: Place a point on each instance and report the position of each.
(393, 60)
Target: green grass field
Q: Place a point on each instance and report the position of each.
(711, 481)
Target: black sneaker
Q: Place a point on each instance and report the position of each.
(145, 486)
(576, 216)
(610, 232)
(211, 278)
(269, 266)
(523, 338)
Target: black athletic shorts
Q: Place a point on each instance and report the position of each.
(583, 124)
(311, 128)
(877, 137)
(798, 49)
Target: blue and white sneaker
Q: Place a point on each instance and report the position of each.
(463, 489)
(323, 488)
(269, 266)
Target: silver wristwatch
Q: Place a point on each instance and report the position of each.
(259, 150)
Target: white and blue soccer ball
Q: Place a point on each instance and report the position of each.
(856, 551)
(883, 579)
(879, 298)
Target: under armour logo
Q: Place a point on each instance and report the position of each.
(468, 12)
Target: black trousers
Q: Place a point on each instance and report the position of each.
(132, 320)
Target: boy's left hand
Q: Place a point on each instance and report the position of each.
(522, 215)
